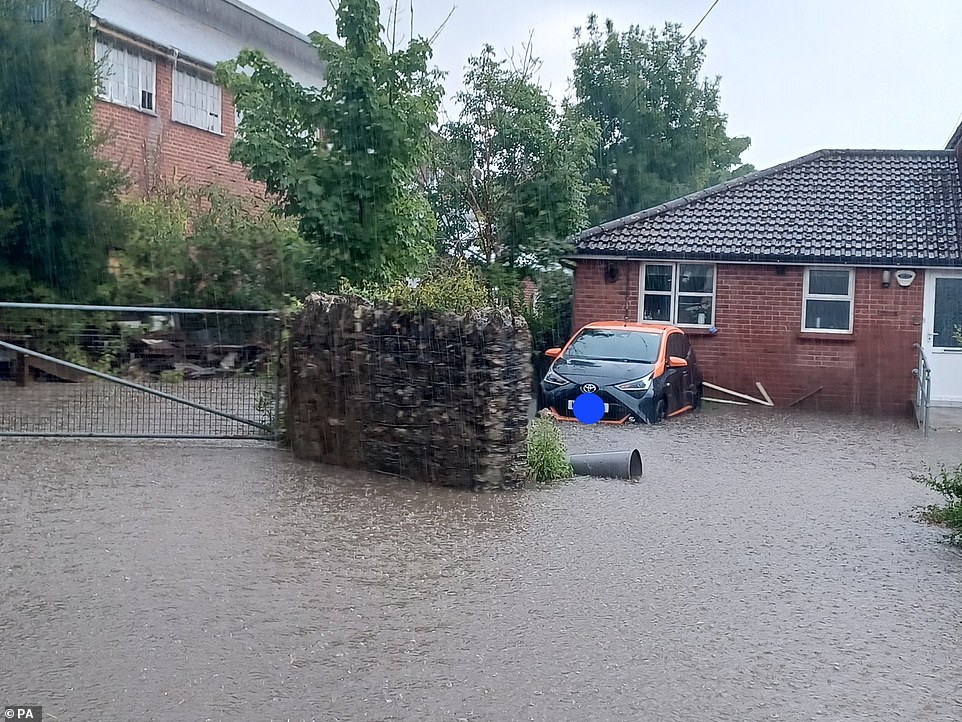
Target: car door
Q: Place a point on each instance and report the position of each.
(687, 378)
(675, 378)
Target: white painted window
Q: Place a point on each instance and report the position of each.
(127, 76)
(197, 101)
(679, 293)
(828, 300)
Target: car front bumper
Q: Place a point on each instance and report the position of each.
(622, 407)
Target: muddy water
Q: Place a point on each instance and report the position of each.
(766, 567)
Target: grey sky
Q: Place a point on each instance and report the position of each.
(797, 75)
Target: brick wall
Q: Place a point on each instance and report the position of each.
(602, 299)
(758, 316)
(153, 149)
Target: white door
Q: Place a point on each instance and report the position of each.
(941, 328)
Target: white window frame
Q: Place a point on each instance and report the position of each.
(674, 293)
(196, 100)
(119, 62)
(850, 297)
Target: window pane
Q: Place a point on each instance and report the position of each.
(948, 312)
(827, 315)
(695, 310)
(657, 308)
(695, 278)
(658, 278)
(833, 282)
(597, 343)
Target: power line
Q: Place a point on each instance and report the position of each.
(707, 13)
(682, 45)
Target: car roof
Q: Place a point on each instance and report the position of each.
(634, 326)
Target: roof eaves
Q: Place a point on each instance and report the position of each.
(270, 21)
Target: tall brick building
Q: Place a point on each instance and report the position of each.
(165, 119)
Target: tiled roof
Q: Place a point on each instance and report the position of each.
(833, 206)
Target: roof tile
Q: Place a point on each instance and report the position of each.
(831, 206)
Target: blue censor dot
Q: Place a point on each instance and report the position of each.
(589, 408)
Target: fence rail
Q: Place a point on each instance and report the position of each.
(139, 372)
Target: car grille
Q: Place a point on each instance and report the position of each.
(616, 411)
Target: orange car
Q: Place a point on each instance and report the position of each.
(643, 372)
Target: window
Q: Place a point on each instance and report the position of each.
(128, 78)
(616, 345)
(828, 300)
(682, 293)
(196, 101)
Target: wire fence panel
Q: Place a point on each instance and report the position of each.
(131, 372)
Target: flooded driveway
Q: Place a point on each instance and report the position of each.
(766, 567)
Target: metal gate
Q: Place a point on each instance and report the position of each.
(139, 372)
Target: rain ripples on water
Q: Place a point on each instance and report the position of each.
(767, 566)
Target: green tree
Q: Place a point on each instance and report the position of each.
(507, 181)
(662, 131)
(58, 209)
(344, 159)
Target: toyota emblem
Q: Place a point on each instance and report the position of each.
(589, 388)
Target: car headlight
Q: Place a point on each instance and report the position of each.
(641, 384)
(555, 379)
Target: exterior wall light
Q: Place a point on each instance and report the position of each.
(886, 278)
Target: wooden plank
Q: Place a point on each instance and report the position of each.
(723, 401)
(56, 370)
(735, 393)
(800, 399)
(764, 393)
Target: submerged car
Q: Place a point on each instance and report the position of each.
(644, 372)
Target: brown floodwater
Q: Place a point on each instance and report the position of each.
(766, 566)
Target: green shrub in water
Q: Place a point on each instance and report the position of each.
(947, 482)
(547, 453)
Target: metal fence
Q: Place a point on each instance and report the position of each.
(133, 372)
(923, 392)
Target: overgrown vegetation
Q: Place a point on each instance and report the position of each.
(447, 286)
(207, 248)
(547, 453)
(948, 483)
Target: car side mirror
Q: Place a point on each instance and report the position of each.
(677, 362)
(555, 353)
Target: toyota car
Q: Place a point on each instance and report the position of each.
(643, 372)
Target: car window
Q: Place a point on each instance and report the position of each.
(616, 345)
(678, 345)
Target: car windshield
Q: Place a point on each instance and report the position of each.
(604, 344)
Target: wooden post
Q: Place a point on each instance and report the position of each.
(23, 370)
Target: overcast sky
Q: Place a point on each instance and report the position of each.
(797, 75)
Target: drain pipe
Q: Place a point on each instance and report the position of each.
(624, 464)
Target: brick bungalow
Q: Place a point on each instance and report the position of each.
(164, 117)
(817, 277)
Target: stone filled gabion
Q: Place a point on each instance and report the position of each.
(441, 398)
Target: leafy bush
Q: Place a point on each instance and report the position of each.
(449, 285)
(208, 248)
(948, 483)
(171, 376)
(547, 453)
